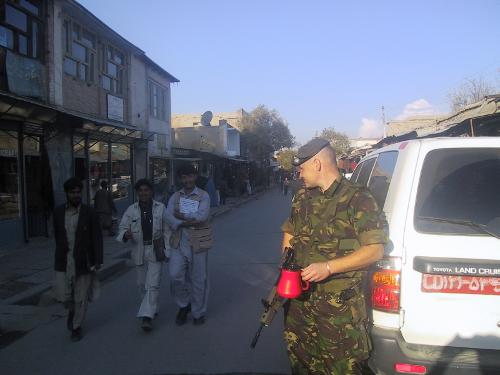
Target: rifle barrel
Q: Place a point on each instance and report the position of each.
(256, 337)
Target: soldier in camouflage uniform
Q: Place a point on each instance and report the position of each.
(337, 231)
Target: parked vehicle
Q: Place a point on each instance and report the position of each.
(435, 296)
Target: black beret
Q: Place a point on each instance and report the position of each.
(310, 149)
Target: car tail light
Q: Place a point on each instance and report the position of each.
(403, 145)
(404, 368)
(386, 285)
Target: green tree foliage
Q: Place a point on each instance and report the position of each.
(280, 135)
(339, 141)
(264, 131)
(285, 159)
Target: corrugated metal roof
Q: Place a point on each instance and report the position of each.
(490, 105)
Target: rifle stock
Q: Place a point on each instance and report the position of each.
(273, 302)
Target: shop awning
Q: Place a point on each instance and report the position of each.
(489, 107)
(237, 159)
(194, 155)
(477, 119)
(37, 116)
(187, 159)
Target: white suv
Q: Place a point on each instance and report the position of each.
(435, 297)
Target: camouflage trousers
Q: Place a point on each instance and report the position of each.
(326, 337)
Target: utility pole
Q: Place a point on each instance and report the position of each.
(383, 121)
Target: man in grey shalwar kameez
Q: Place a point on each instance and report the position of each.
(188, 214)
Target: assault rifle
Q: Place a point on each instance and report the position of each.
(273, 302)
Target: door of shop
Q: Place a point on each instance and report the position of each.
(38, 187)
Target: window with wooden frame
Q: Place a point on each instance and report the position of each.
(21, 27)
(79, 51)
(157, 95)
(112, 70)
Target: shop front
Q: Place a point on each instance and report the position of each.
(214, 171)
(41, 147)
(10, 192)
(26, 198)
(97, 160)
(160, 173)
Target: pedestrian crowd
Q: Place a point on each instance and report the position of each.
(179, 233)
(335, 229)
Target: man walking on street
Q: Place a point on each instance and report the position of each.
(105, 207)
(188, 213)
(336, 231)
(78, 254)
(286, 185)
(222, 187)
(145, 224)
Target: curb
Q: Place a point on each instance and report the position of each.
(42, 293)
(236, 205)
(28, 297)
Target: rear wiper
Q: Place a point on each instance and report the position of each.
(480, 227)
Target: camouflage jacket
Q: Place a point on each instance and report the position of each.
(332, 224)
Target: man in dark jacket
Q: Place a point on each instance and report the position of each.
(78, 254)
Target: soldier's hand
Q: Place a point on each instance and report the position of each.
(315, 272)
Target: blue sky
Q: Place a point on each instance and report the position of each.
(318, 63)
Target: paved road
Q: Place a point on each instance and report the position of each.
(243, 265)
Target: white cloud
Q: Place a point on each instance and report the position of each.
(370, 128)
(417, 108)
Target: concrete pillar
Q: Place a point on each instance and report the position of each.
(140, 160)
(60, 151)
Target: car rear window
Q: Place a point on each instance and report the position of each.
(355, 174)
(460, 184)
(365, 169)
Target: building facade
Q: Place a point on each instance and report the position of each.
(212, 136)
(211, 142)
(234, 119)
(70, 105)
(221, 139)
(151, 109)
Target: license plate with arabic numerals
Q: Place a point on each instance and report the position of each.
(460, 284)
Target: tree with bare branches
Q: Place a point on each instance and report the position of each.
(472, 90)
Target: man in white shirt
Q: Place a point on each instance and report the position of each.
(188, 213)
(144, 223)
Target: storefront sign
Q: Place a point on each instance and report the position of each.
(24, 76)
(115, 108)
(8, 153)
(181, 151)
